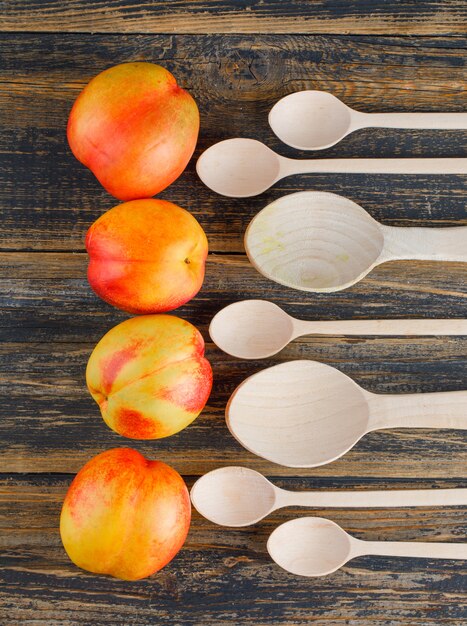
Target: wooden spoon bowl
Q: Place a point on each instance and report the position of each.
(252, 329)
(314, 241)
(317, 241)
(233, 496)
(310, 546)
(298, 414)
(310, 120)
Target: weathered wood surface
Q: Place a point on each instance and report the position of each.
(50, 423)
(48, 199)
(224, 576)
(231, 16)
(50, 319)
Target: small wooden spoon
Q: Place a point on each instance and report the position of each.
(305, 413)
(314, 546)
(314, 120)
(256, 329)
(322, 242)
(238, 496)
(240, 168)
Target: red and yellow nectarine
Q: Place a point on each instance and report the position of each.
(146, 256)
(135, 129)
(124, 515)
(149, 376)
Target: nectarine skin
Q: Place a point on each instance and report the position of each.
(146, 256)
(134, 128)
(149, 376)
(124, 515)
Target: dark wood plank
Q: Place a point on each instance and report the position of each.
(50, 321)
(230, 16)
(48, 421)
(224, 576)
(49, 200)
(46, 297)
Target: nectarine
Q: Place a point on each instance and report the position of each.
(149, 376)
(135, 129)
(146, 256)
(124, 515)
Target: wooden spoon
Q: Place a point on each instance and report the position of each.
(256, 329)
(322, 242)
(305, 413)
(240, 167)
(314, 120)
(238, 496)
(314, 546)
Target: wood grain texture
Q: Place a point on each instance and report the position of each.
(50, 320)
(44, 296)
(232, 16)
(49, 199)
(224, 576)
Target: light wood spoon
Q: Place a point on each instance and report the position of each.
(323, 242)
(240, 167)
(305, 413)
(239, 496)
(256, 329)
(314, 546)
(314, 120)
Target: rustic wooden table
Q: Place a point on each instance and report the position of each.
(237, 59)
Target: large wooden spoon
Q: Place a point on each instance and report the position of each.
(239, 496)
(314, 546)
(318, 241)
(305, 413)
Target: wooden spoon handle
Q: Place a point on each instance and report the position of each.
(417, 549)
(372, 499)
(433, 244)
(445, 409)
(413, 327)
(454, 121)
(372, 166)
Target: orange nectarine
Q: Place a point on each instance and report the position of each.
(135, 129)
(124, 515)
(146, 256)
